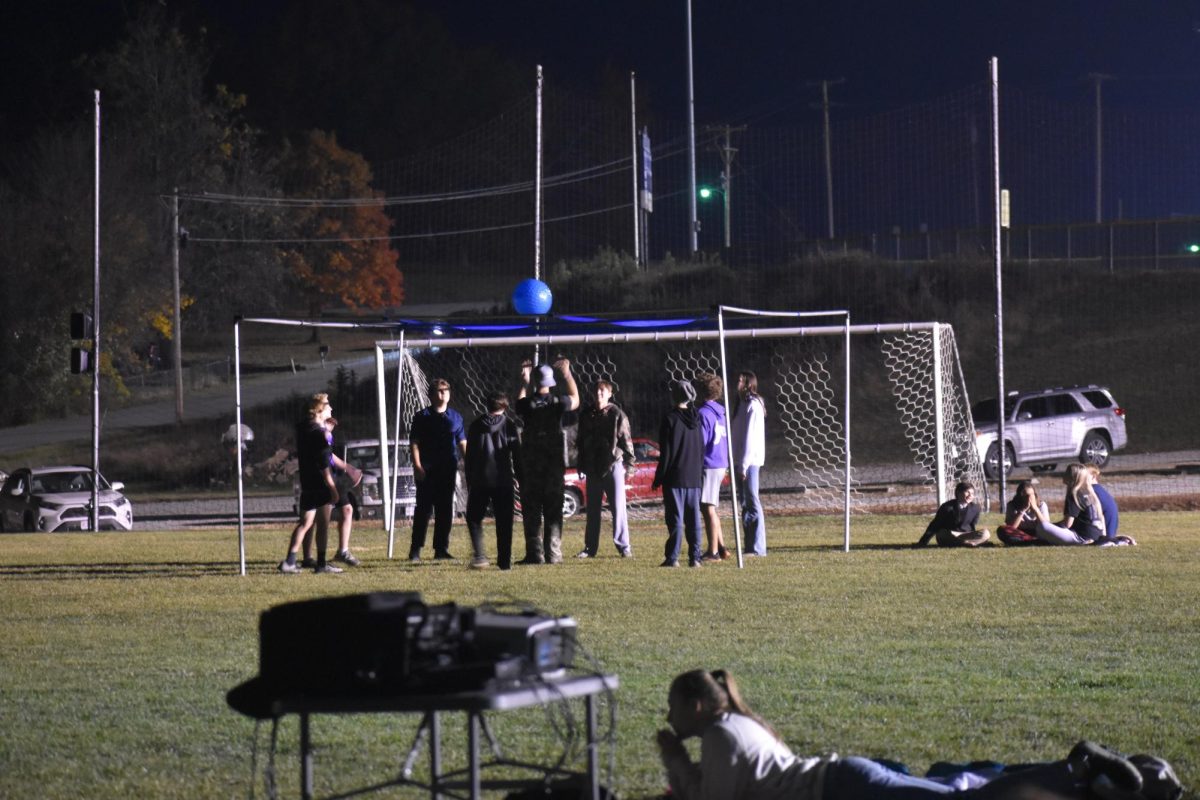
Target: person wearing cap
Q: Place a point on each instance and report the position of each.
(438, 443)
(680, 473)
(605, 457)
(544, 457)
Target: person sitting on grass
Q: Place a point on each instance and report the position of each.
(742, 758)
(954, 523)
(1108, 509)
(1020, 517)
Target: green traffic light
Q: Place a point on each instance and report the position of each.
(1194, 248)
(705, 192)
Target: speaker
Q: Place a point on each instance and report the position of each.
(334, 645)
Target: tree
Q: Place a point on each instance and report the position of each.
(350, 260)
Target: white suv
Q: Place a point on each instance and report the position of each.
(1045, 427)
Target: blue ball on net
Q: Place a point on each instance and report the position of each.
(532, 297)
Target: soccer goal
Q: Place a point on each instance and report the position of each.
(901, 384)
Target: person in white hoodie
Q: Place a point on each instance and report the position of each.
(742, 758)
(749, 455)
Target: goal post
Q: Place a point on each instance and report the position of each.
(918, 429)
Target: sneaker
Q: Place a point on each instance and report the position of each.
(289, 569)
(1108, 774)
(347, 558)
(442, 555)
(669, 563)
(327, 569)
(723, 552)
(626, 552)
(584, 554)
(711, 557)
(479, 562)
(697, 563)
(529, 560)
(414, 555)
(309, 563)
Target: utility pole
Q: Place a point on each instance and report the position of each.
(825, 84)
(1098, 79)
(724, 146)
(177, 234)
(694, 222)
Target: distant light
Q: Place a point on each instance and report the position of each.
(705, 192)
(1194, 248)
(437, 331)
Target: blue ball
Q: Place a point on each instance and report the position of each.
(532, 297)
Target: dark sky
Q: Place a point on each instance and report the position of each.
(761, 53)
(751, 56)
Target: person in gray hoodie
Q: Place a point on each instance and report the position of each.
(680, 473)
(493, 460)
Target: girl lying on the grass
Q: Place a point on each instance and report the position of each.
(742, 758)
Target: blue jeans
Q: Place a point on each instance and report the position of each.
(612, 485)
(753, 525)
(856, 778)
(682, 507)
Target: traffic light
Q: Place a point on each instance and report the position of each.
(83, 327)
(706, 192)
(1193, 248)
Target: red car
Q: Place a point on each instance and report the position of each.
(637, 482)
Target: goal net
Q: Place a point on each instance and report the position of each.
(860, 419)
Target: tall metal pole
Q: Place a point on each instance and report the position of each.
(694, 233)
(176, 327)
(1098, 79)
(94, 516)
(997, 259)
(828, 156)
(633, 162)
(537, 186)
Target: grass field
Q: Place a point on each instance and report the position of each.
(119, 648)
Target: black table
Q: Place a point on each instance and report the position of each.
(254, 699)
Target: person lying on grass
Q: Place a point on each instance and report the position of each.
(742, 758)
(954, 523)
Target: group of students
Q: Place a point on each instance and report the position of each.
(529, 448)
(1090, 516)
(742, 758)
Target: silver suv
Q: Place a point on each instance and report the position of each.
(1045, 427)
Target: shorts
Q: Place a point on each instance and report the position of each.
(314, 497)
(345, 491)
(710, 492)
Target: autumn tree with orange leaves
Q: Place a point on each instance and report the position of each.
(346, 258)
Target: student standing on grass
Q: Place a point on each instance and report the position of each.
(954, 523)
(605, 456)
(742, 758)
(749, 455)
(544, 457)
(493, 460)
(680, 473)
(347, 477)
(437, 442)
(318, 491)
(709, 388)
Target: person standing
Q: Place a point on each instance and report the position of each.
(605, 457)
(318, 492)
(438, 442)
(493, 460)
(749, 455)
(716, 461)
(544, 458)
(345, 508)
(680, 473)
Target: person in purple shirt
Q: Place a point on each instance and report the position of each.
(709, 387)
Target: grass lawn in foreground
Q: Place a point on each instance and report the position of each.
(119, 648)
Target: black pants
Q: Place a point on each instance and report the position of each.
(501, 498)
(435, 495)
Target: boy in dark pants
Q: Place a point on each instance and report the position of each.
(493, 459)
(680, 473)
(954, 523)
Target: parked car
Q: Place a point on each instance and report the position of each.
(49, 499)
(368, 495)
(1043, 428)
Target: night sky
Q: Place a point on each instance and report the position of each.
(751, 56)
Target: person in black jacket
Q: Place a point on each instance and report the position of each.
(680, 473)
(493, 460)
(954, 523)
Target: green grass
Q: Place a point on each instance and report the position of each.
(119, 649)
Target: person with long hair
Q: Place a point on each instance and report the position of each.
(1020, 518)
(318, 491)
(749, 456)
(1082, 521)
(1108, 509)
(742, 758)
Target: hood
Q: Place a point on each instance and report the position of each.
(688, 416)
(493, 421)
